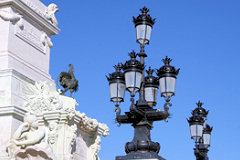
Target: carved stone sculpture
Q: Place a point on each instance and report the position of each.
(12, 17)
(71, 137)
(59, 131)
(50, 14)
(68, 81)
(41, 97)
(52, 134)
(27, 134)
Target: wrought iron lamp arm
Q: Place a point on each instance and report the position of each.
(157, 116)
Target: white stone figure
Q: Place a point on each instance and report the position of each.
(27, 134)
(52, 134)
(12, 17)
(50, 13)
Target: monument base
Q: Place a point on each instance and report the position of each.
(51, 127)
(140, 156)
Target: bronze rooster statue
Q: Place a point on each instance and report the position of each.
(68, 81)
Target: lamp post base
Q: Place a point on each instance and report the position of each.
(140, 156)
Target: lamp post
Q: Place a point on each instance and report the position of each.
(130, 76)
(200, 131)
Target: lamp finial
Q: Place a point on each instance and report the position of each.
(199, 104)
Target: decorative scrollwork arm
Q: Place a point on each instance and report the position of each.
(166, 107)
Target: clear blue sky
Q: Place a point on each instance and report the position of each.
(202, 37)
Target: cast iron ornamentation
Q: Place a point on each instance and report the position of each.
(144, 17)
(167, 69)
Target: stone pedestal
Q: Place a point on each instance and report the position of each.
(38, 123)
(25, 29)
(53, 125)
(25, 38)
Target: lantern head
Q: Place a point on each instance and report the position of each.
(143, 24)
(151, 88)
(167, 78)
(133, 73)
(207, 135)
(196, 126)
(117, 85)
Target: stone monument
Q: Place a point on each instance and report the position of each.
(36, 121)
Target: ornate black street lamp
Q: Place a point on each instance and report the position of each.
(200, 131)
(141, 113)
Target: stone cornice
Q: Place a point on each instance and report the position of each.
(16, 74)
(33, 13)
(12, 110)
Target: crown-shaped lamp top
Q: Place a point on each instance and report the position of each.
(150, 80)
(117, 75)
(133, 63)
(167, 70)
(118, 67)
(167, 60)
(144, 18)
(200, 110)
(199, 104)
(144, 10)
(150, 71)
(133, 54)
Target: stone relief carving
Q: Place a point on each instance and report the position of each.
(95, 148)
(32, 36)
(103, 129)
(50, 14)
(12, 17)
(60, 123)
(71, 112)
(41, 98)
(27, 134)
(96, 141)
(87, 124)
(71, 137)
(39, 41)
(52, 134)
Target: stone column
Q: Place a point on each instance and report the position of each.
(25, 30)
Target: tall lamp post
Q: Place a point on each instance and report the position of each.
(200, 131)
(141, 113)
